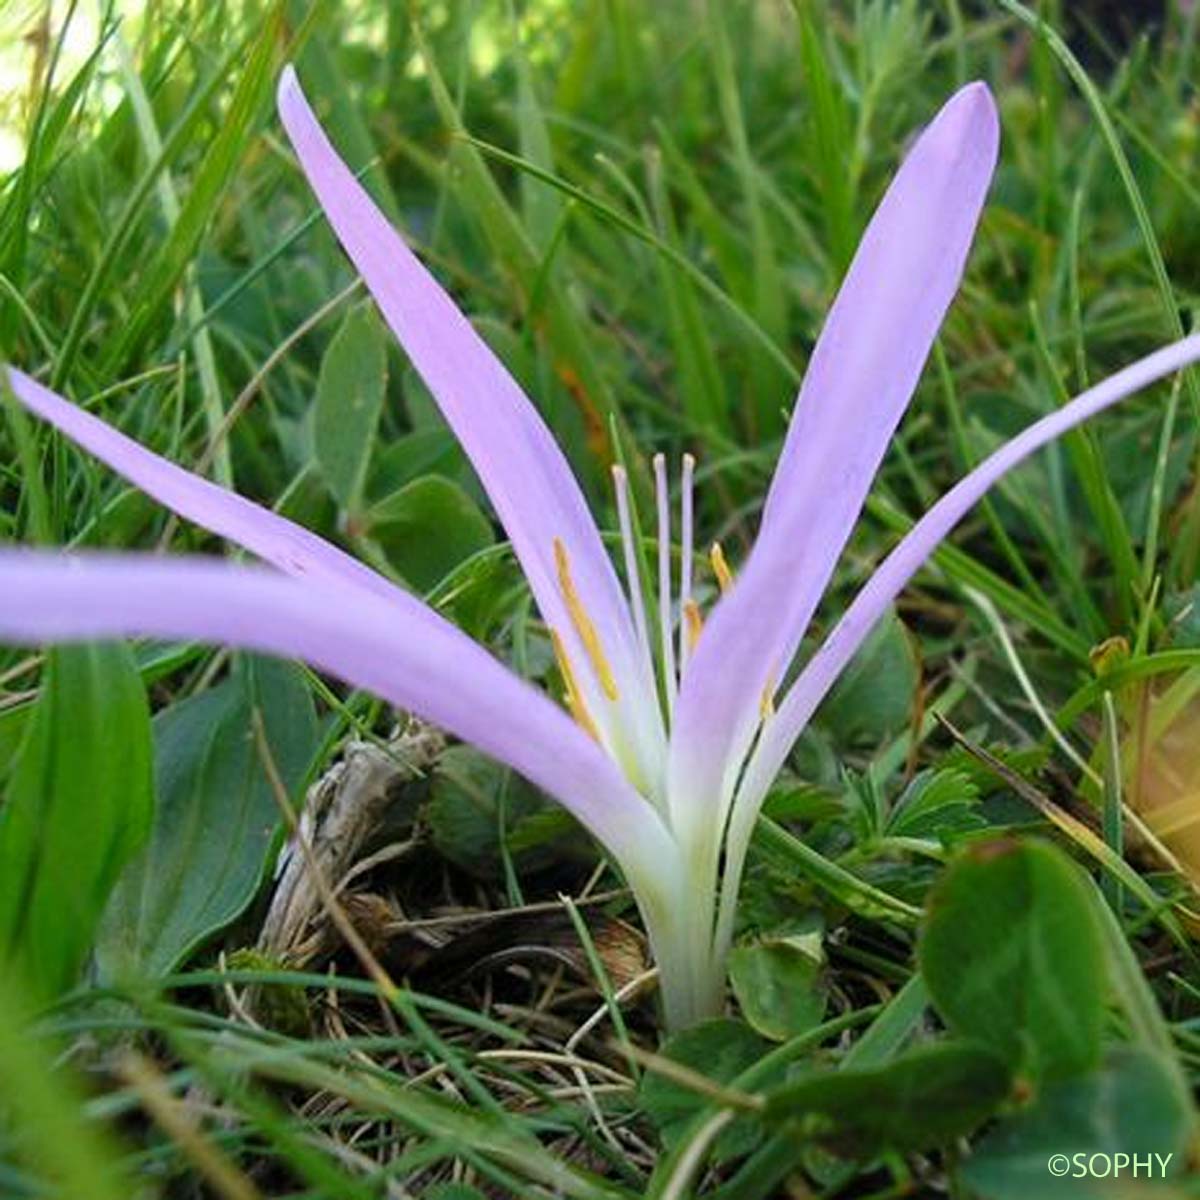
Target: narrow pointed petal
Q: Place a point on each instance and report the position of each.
(273, 538)
(517, 460)
(862, 374)
(889, 579)
(887, 582)
(400, 651)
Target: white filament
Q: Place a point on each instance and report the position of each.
(685, 563)
(665, 621)
(633, 576)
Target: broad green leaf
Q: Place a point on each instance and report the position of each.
(428, 528)
(778, 985)
(408, 457)
(1130, 1106)
(719, 1049)
(350, 390)
(77, 807)
(874, 696)
(551, 824)
(216, 816)
(1013, 954)
(471, 799)
(927, 1098)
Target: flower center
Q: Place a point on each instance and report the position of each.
(671, 608)
(629, 721)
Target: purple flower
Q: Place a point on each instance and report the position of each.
(673, 734)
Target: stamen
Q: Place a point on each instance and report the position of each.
(687, 640)
(582, 622)
(766, 702)
(572, 697)
(633, 577)
(664, 577)
(693, 624)
(716, 556)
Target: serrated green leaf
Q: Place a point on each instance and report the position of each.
(350, 391)
(935, 803)
(216, 816)
(78, 805)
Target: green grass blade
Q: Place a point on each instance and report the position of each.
(255, 83)
(1171, 320)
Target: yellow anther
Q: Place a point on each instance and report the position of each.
(582, 622)
(766, 702)
(720, 567)
(693, 622)
(571, 696)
